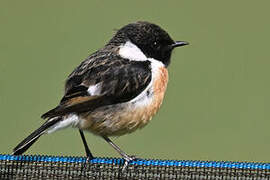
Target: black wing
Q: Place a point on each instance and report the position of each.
(119, 80)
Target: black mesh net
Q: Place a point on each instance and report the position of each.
(48, 167)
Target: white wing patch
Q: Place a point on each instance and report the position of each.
(94, 90)
(132, 52)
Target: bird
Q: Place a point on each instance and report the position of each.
(114, 91)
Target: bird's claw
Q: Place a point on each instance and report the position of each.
(127, 160)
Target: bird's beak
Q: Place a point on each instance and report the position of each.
(179, 43)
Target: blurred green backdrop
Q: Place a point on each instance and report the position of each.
(217, 103)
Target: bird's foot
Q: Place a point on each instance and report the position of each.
(88, 159)
(127, 159)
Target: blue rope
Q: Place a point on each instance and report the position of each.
(183, 163)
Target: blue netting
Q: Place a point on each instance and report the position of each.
(54, 167)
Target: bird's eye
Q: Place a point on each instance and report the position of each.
(156, 45)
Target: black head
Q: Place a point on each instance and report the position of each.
(153, 41)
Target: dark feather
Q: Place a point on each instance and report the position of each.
(31, 139)
(120, 81)
(76, 104)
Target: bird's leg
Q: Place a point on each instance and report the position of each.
(87, 150)
(122, 153)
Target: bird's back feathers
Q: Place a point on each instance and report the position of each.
(116, 79)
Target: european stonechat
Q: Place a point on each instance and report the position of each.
(116, 90)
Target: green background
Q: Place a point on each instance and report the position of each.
(217, 102)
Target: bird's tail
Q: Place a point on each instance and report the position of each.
(31, 139)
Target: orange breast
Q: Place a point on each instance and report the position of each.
(140, 116)
(160, 86)
(129, 116)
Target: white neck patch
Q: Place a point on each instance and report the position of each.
(132, 52)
